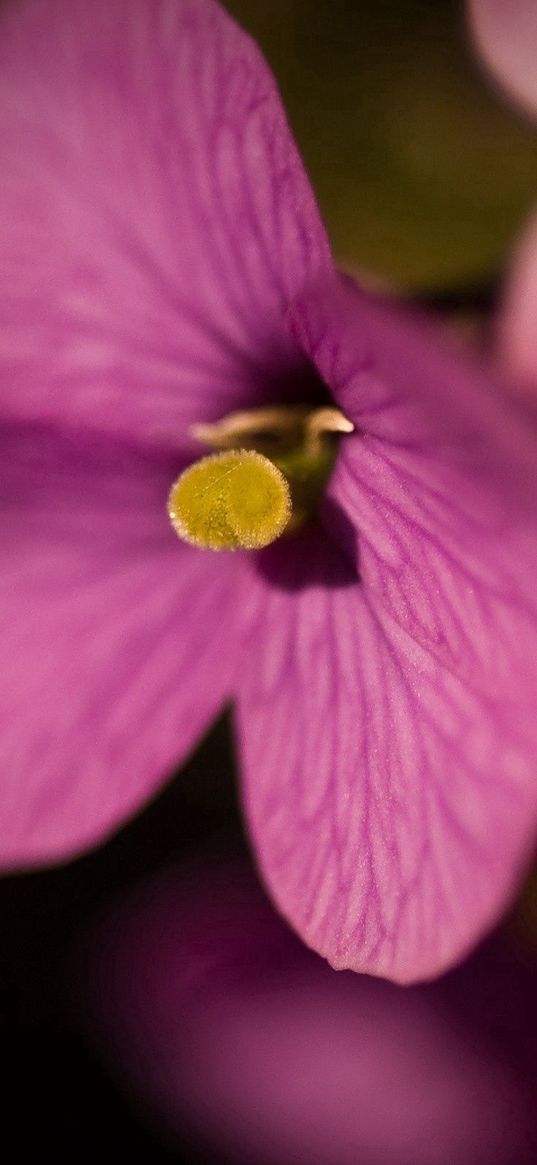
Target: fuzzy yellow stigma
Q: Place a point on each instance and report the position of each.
(230, 501)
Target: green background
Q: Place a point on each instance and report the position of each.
(423, 172)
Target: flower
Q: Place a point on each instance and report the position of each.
(208, 1009)
(165, 266)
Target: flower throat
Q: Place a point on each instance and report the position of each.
(265, 478)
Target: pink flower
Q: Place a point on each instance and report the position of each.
(207, 1009)
(164, 265)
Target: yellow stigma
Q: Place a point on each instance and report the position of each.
(230, 501)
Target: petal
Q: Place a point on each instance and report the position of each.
(388, 727)
(155, 215)
(116, 641)
(517, 324)
(506, 35)
(232, 1031)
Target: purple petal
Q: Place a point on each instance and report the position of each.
(389, 728)
(118, 641)
(155, 215)
(228, 1028)
(506, 35)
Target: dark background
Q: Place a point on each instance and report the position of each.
(59, 1101)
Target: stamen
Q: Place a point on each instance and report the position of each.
(268, 478)
(279, 421)
(230, 501)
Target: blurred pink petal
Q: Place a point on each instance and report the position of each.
(210, 1011)
(517, 326)
(506, 35)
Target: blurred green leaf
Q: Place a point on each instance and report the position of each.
(423, 174)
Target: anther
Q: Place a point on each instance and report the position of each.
(229, 501)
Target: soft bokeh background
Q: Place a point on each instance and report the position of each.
(422, 173)
(424, 176)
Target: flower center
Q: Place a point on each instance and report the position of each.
(266, 479)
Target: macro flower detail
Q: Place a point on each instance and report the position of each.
(230, 501)
(268, 483)
(166, 269)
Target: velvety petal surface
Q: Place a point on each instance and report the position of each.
(388, 725)
(506, 35)
(118, 642)
(155, 216)
(230, 1030)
